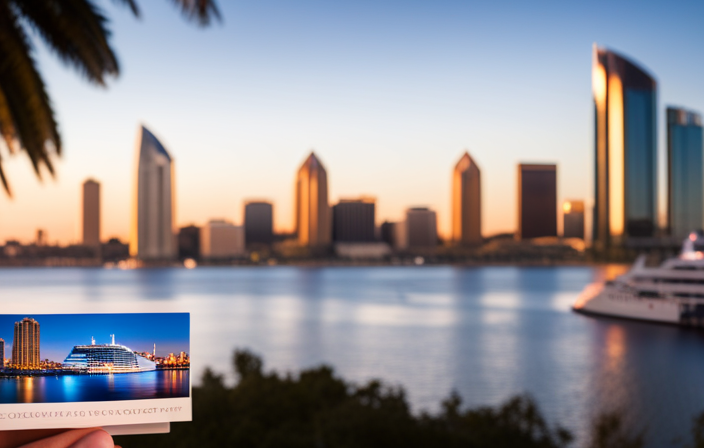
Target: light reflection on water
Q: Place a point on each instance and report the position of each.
(489, 333)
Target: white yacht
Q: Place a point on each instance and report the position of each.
(671, 293)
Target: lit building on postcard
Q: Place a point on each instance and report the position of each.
(537, 200)
(25, 344)
(625, 150)
(466, 202)
(152, 233)
(684, 172)
(106, 358)
(313, 225)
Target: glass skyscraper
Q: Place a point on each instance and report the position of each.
(625, 186)
(684, 172)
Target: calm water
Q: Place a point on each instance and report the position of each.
(489, 333)
(126, 386)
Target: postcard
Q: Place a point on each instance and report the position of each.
(84, 370)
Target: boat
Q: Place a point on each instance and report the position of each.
(106, 358)
(671, 293)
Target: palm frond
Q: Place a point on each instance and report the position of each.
(200, 11)
(132, 5)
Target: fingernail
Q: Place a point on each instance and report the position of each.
(96, 439)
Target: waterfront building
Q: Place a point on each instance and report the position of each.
(221, 239)
(91, 213)
(684, 172)
(573, 219)
(152, 235)
(2, 353)
(258, 223)
(189, 242)
(25, 344)
(625, 156)
(537, 200)
(353, 220)
(106, 358)
(312, 210)
(420, 229)
(41, 238)
(466, 202)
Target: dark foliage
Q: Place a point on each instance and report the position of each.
(318, 409)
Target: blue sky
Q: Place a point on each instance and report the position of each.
(58, 333)
(388, 93)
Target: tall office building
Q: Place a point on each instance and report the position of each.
(466, 202)
(353, 221)
(684, 172)
(152, 235)
(258, 223)
(221, 239)
(537, 201)
(573, 219)
(91, 213)
(421, 228)
(25, 344)
(625, 185)
(2, 353)
(312, 209)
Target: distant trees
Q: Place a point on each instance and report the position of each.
(318, 409)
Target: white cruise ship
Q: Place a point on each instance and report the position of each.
(106, 358)
(671, 293)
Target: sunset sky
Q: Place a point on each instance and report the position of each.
(389, 94)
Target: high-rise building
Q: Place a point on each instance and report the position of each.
(152, 235)
(466, 202)
(684, 172)
(221, 239)
(353, 221)
(573, 219)
(2, 353)
(91, 213)
(421, 228)
(625, 177)
(25, 344)
(41, 238)
(258, 223)
(312, 209)
(189, 242)
(537, 200)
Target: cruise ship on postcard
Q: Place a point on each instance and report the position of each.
(671, 293)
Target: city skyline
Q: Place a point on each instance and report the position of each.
(396, 95)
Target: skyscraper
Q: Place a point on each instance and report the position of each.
(466, 202)
(421, 228)
(312, 209)
(152, 235)
(684, 172)
(353, 221)
(625, 186)
(2, 353)
(91, 213)
(25, 344)
(573, 219)
(537, 201)
(258, 223)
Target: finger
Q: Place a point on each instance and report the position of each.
(71, 438)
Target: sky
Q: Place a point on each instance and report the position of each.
(59, 333)
(388, 93)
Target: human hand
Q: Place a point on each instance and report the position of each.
(57, 438)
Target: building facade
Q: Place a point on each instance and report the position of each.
(353, 221)
(684, 172)
(421, 229)
(466, 202)
(258, 223)
(312, 209)
(2, 353)
(625, 155)
(189, 242)
(25, 344)
(220, 239)
(152, 233)
(573, 219)
(91, 213)
(537, 200)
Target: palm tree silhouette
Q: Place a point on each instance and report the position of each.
(76, 30)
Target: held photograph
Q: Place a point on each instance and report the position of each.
(60, 358)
